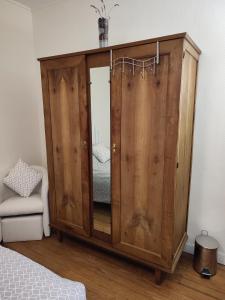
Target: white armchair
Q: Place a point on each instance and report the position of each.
(23, 219)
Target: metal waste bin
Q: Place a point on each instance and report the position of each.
(205, 255)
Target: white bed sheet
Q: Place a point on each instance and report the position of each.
(101, 181)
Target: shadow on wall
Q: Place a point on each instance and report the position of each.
(4, 191)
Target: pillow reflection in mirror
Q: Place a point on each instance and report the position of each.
(101, 152)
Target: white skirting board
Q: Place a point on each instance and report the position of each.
(189, 248)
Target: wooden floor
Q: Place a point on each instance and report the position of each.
(109, 277)
(102, 217)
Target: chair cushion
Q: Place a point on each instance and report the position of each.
(22, 228)
(17, 206)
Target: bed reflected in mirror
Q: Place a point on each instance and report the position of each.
(101, 160)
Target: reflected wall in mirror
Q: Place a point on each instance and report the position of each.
(101, 160)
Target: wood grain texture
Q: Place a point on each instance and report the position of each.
(184, 145)
(49, 144)
(107, 277)
(142, 158)
(116, 94)
(68, 110)
(158, 276)
(104, 242)
(145, 132)
(151, 127)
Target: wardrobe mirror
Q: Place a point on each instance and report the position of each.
(101, 160)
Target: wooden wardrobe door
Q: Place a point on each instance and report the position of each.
(67, 104)
(143, 164)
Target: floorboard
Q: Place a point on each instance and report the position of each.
(107, 277)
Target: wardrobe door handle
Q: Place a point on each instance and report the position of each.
(114, 147)
(84, 144)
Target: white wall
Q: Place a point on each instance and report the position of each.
(20, 133)
(71, 25)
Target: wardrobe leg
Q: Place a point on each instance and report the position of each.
(158, 276)
(59, 236)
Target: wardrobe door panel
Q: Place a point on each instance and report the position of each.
(68, 110)
(140, 165)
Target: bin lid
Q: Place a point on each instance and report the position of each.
(207, 241)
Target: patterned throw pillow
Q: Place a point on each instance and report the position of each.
(22, 179)
(101, 153)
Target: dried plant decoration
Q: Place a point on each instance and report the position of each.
(110, 10)
(104, 11)
(97, 10)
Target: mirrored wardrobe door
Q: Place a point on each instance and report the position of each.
(101, 154)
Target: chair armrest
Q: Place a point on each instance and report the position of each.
(5, 192)
(44, 197)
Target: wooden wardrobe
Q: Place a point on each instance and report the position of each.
(151, 127)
